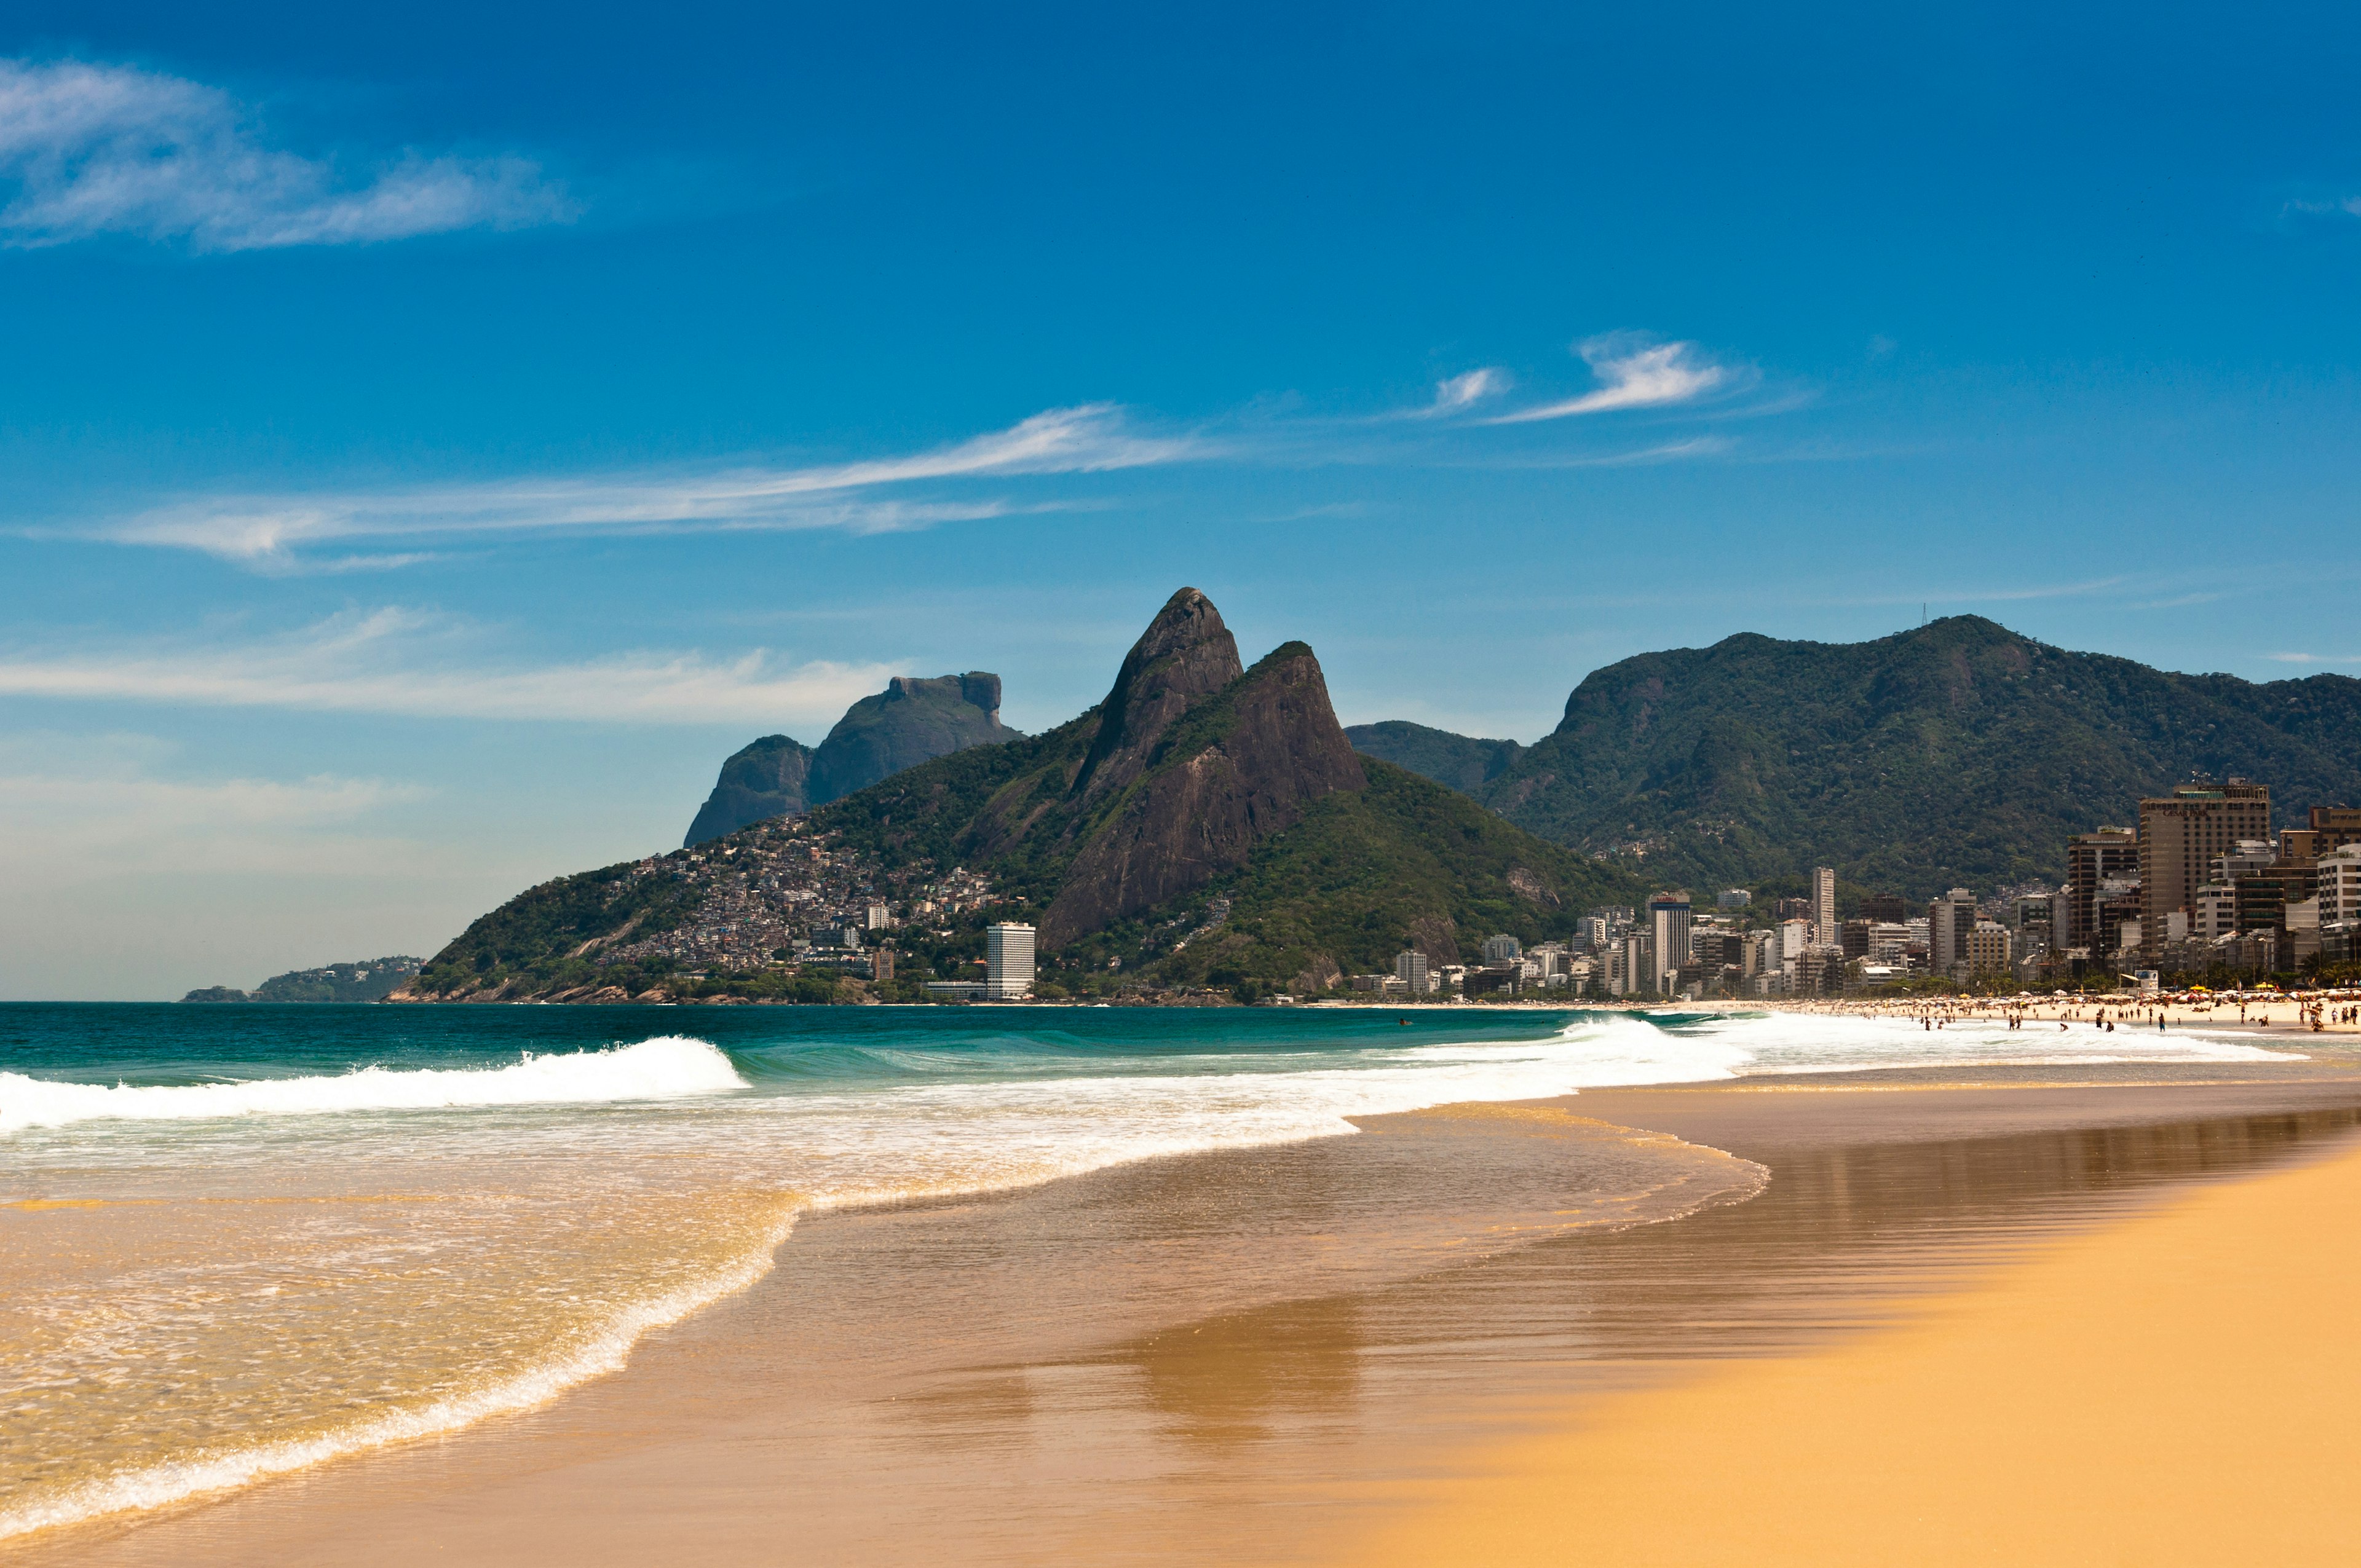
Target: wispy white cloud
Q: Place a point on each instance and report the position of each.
(94, 149)
(75, 807)
(1636, 374)
(1459, 393)
(399, 661)
(384, 528)
(1695, 446)
(2323, 206)
(2314, 658)
(267, 528)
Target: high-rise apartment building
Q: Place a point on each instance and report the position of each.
(2338, 882)
(1007, 961)
(2331, 828)
(2093, 859)
(2181, 833)
(1502, 949)
(1639, 965)
(1987, 948)
(1410, 969)
(1669, 932)
(1949, 920)
(1823, 904)
(2337, 827)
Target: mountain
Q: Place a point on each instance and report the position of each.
(1958, 754)
(1205, 824)
(911, 721)
(765, 780)
(370, 980)
(1464, 763)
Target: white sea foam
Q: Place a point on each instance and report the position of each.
(228, 1469)
(664, 1069)
(1818, 1042)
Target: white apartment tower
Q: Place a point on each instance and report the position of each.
(1007, 961)
(1949, 920)
(1823, 904)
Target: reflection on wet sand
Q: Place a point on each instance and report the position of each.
(1223, 1358)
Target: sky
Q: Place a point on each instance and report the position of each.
(432, 437)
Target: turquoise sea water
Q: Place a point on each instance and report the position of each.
(236, 1239)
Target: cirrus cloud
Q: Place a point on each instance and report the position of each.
(93, 150)
(265, 529)
(1636, 374)
(400, 662)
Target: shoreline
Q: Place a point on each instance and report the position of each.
(2050, 1411)
(1310, 1387)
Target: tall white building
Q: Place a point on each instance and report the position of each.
(1949, 920)
(2340, 884)
(1823, 904)
(1502, 949)
(1669, 932)
(1639, 964)
(1007, 961)
(1410, 969)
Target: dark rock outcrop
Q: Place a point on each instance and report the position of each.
(765, 780)
(911, 721)
(1186, 654)
(1212, 779)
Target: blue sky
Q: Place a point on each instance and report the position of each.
(429, 442)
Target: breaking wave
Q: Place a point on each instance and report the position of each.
(668, 1067)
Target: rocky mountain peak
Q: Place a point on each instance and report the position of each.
(1243, 765)
(1186, 654)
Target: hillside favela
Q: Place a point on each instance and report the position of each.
(1475, 786)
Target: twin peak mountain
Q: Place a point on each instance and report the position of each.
(1207, 822)
(1136, 818)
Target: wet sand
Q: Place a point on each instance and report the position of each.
(2174, 1388)
(1260, 1356)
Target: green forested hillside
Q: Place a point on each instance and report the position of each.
(1404, 861)
(1956, 753)
(1461, 762)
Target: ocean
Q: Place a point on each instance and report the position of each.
(235, 1241)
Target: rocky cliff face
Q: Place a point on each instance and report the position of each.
(911, 721)
(765, 780)
(1185, 655)
(1213, 782)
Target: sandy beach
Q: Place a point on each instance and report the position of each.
(1402, 1344)
(2173, 1388)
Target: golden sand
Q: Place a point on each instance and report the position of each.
(2177, 1389)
